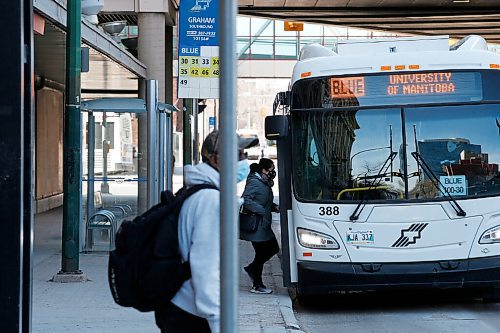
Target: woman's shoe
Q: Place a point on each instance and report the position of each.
(261, 290)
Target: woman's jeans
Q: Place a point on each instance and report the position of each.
(263, 252)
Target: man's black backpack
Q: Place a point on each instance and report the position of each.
(145, 270)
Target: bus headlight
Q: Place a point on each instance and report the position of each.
(316, 240)
(491, 236)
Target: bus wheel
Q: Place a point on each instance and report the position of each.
(304, 300)
(492, 296)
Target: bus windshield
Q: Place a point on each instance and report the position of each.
(367, 153)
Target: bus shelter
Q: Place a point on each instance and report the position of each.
(126, 165)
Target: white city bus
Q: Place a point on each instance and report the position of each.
(388, 154)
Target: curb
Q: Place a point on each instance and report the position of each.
(284, 301)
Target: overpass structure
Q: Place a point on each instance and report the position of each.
(456, 18)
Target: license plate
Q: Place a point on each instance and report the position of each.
(360, 237)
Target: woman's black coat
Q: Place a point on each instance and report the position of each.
(258, 198)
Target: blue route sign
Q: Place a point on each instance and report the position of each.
(198, 26)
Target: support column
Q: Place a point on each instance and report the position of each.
(150, 51)
(72, 150)
(16, 116)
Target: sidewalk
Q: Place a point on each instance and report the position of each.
(89, 308)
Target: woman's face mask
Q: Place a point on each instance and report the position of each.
(242, 170)
(268, 175)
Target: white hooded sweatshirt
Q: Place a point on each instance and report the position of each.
(199, 238)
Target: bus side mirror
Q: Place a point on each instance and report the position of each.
(276, 127)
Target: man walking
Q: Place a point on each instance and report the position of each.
(196, 306)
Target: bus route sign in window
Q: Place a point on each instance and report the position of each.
(408, 87)
(346, 87)
(388, 89)
(423, 84)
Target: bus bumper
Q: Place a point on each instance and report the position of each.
(316, 278)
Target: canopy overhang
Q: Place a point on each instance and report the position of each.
(457, 18)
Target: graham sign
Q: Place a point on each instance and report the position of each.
(198, 49)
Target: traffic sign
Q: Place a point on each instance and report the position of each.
(198, 49)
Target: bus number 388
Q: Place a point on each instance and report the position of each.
(329, 210)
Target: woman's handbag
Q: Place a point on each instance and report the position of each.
(249, 221)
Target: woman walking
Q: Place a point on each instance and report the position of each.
(258, 198)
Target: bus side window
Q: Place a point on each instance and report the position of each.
(313, 171)
(313, 154)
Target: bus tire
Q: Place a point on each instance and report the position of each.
(304, 300)
(492, 296)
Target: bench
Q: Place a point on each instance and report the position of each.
(105, 218)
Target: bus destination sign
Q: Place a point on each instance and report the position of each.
(422, 84)
(345, 87)
(461, 84)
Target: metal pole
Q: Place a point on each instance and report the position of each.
(29, 167)
(151, 107)
(216, 121)
(161, 151)
(229, 250)
(169, 163)
(142, 151)
(169, 166)
(196, 149)
(105, 150)
(90, 173)
(186, 133)
(15, 66)
(204, 124)
(72, 143)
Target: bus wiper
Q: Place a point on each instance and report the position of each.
(428, 171)
(383, 170)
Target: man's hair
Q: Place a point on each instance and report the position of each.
(264, 164)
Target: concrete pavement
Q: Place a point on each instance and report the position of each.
(87, 307)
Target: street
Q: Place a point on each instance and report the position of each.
(397, 312)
